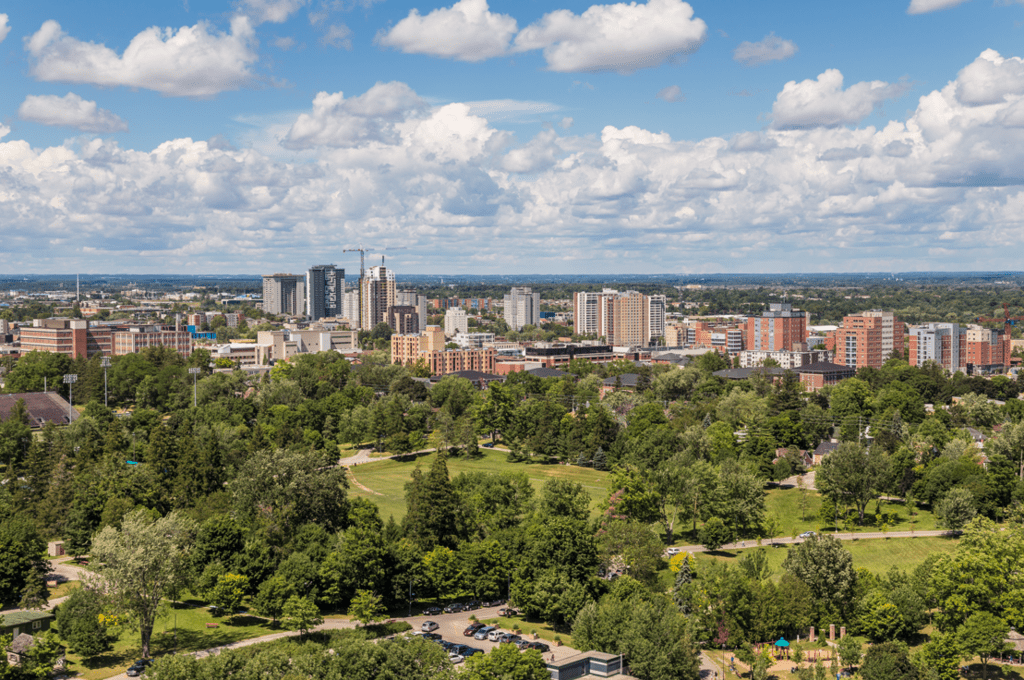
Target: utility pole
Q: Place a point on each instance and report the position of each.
(194, 372)
(70, 379)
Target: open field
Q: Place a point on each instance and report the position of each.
(875, 555)
(191, 634)
(386, 479)
(785, 503)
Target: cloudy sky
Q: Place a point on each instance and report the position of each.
(244, 136)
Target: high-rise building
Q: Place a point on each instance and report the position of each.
(868, 339)
(942, 343)
(656, 307)
(628, 323)
(350, 308)
(455, 321)
(284, 294)
(986, 349)
(780, 327)
(522, 308)
(325, 291)
(377, 294)
(403, 319)
(587, 312)
(411, 298)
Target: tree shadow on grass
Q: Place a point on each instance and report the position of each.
(111, 659)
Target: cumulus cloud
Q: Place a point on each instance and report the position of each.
(990, 79)
(193, 61)
(772, 48)
(4, 27)
(272, 11)
(466, 31)
(672, 93)
(70, 111)
(824, 102)
(446, 181)
(339, 36)
(925, 6)
(617, 37)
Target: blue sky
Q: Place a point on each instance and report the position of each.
(566, 137)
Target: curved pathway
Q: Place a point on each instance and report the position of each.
(846, 536)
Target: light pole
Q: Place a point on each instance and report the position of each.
(105, 363)
(194, 372)
(69, 380)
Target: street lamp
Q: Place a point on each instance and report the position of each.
(69, 380)
(105, 363)
(194, 372)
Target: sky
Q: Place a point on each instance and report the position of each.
(555, 137)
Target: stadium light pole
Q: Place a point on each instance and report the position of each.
(69, 380)
(195, 371)
(105, 363)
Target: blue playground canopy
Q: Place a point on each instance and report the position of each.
(782, 643)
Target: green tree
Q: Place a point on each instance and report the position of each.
(302, 613)
(78, 619)
(826, 567)
(507, 663)
(21, 567)
(956, 509)
(888, 661)
(942, 655)
(272, 595)
(142, 560)
(42, 656)
(441, 569)
(367, 607)
(983, 634)
(434, 514)
(851, 475)
(849, 650)
(229, 592)
(714, 534)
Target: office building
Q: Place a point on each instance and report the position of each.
(377, 295)
(136, 338)
(79, 338)
(522, 308)
(455, 321)
(780, 327)
(284, 344)
(284, 294)
(868, 339)
(473, 340)
(325, 291)
(752, 358)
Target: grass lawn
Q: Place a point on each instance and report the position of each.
(192, 635)
(62, 589)
(785, 503)
(544, 630)
(875, 555)
(386, 479)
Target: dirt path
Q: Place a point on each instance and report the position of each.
(870, 535)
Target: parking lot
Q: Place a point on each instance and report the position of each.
(452, 625)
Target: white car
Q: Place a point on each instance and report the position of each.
(429, 626)
(456, 658)
(673, 551)
(807, 534)
(494, 635)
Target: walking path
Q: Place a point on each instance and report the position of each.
(846, 536)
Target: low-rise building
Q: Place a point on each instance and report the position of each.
(819, 374)
(284, 344)
(750, 358)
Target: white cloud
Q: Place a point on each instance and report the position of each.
(671, 94)
(925, 6)
(990, 79)
(190, 62)
(466, 31)
(284, 42)
(70, 111)
(824, 102)
(5, 28)
(273, 11)
(617, 37)
(772, 48)
(459, 191)
(338, 35)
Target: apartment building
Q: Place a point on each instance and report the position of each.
(752, 358)
(404, 319)
(284, 294)
(780, 327)
(377, 294)
(325, 291)
(137, 338)
(429, 348)
(522, 308)
(867, 339)
(455, 321)
(410, 298)
(727, 338)
(626, 318)
(477, 304)
(988, 351)
(938, 342)
(657, 305)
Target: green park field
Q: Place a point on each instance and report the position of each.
(384, 482)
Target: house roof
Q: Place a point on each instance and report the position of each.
(744, 373)
(22, 643)
(1015, 640)
(826, 367)
(825, 448)
(20, 618)
(42, 407)
(544, 372)
(470, 375)
(626, 380)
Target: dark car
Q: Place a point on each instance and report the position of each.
(472, 604)
(433, 611)
(432, 636)
(453, 608)
(507, 611)
(138, 668)
(472, 628)
(540, 647)
(461, 650)
(522, 644)
(493, 603)
(472, 651)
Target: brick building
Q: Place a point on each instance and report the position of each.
(81, 338)
(867, 339)
(780, 327)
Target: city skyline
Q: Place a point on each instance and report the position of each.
(576, 138)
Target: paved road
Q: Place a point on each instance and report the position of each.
(846, 536)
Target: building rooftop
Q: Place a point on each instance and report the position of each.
(744, 373)
(825, 367)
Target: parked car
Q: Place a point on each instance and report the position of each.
(472, 604)
(483, 633)
(507, 638)
(472, 651)
(433, 637)
(507, 611)
(540, 647)
(429, 626)
(460, 649)
(456, 658)
(673, 551)
(808, 534)
(138, 668)
(454, 608)
(493, 603)
(495, 634)
(521, 643)
(472, 628)
(433, 611)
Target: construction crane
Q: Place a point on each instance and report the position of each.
(1007, 322)
(362, 255)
